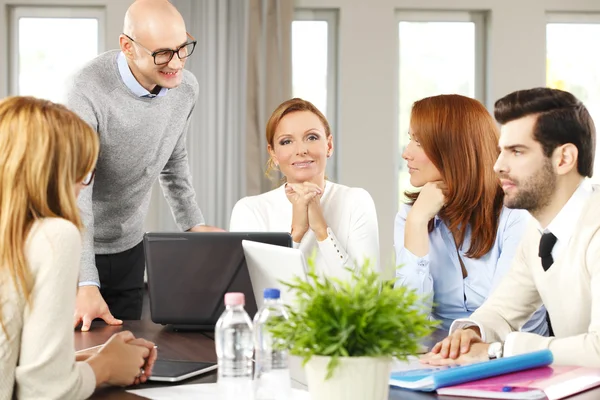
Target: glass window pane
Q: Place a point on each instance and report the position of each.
(52, 49)
(435, 58)
(573, 67)
(309, 62)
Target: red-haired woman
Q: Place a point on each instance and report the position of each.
(454, 239)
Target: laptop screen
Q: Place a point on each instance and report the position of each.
(190, 272)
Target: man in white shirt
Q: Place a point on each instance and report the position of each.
(547, 147)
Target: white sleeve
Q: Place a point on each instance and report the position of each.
(464, 323)
(508, 307)
(244, 219)
(363, 238)
(47, 367)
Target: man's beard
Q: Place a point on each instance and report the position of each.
(534, 193)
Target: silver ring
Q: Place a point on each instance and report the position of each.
(141, 373)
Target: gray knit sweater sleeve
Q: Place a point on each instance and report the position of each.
(81, 105)
(177, 188)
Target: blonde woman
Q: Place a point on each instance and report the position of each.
(337, 221)
(47, 154)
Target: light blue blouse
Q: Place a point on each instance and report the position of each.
(440, 273)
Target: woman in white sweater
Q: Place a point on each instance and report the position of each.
(46, 155)
(338, 221)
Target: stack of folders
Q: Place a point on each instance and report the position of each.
(429, 378)
(552, 383)
(525, 376)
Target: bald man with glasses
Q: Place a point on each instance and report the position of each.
(139, 99)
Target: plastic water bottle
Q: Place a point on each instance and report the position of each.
(271, 372)
(233, 341)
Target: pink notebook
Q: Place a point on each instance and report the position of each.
(553, 382)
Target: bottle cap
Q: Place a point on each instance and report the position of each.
(271, 293)
(234, 299)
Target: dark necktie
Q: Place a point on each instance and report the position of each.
(547, 243)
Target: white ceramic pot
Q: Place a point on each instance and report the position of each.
(355, 378)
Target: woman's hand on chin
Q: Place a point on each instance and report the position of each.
(301, 193)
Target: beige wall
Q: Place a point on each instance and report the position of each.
(368, 83)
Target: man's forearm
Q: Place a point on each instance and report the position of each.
(88, 273)
(181, 197)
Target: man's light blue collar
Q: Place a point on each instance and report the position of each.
(131, 82)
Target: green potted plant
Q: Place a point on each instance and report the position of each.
(348, 331)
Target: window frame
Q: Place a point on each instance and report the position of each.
(17, 12)
(479, 18)
(556, 17)
(331, 16)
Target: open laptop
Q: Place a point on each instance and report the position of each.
(190, 272)
(270, 265)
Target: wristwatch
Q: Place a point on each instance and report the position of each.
(495, 350)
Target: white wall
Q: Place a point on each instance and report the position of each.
(368, 83)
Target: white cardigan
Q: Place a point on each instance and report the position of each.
(350, 214)
(570, 290)
(38, 359)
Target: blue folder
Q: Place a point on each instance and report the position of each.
(431, 378)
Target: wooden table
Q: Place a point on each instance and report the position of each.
(198, 346)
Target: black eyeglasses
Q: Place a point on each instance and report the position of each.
(164, 56)
(87, 180)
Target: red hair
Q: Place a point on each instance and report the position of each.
(460, 138)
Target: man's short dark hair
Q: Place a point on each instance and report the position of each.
(561, 118)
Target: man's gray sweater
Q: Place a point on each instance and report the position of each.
(140, 139)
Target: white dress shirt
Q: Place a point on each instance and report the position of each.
(563, 226)
(352, 234)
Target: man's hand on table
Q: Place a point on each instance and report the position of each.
(90, 305)
(464, 346)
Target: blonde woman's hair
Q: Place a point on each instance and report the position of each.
(45, 149)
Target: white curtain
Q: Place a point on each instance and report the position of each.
(243, 64)
(269, 80)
